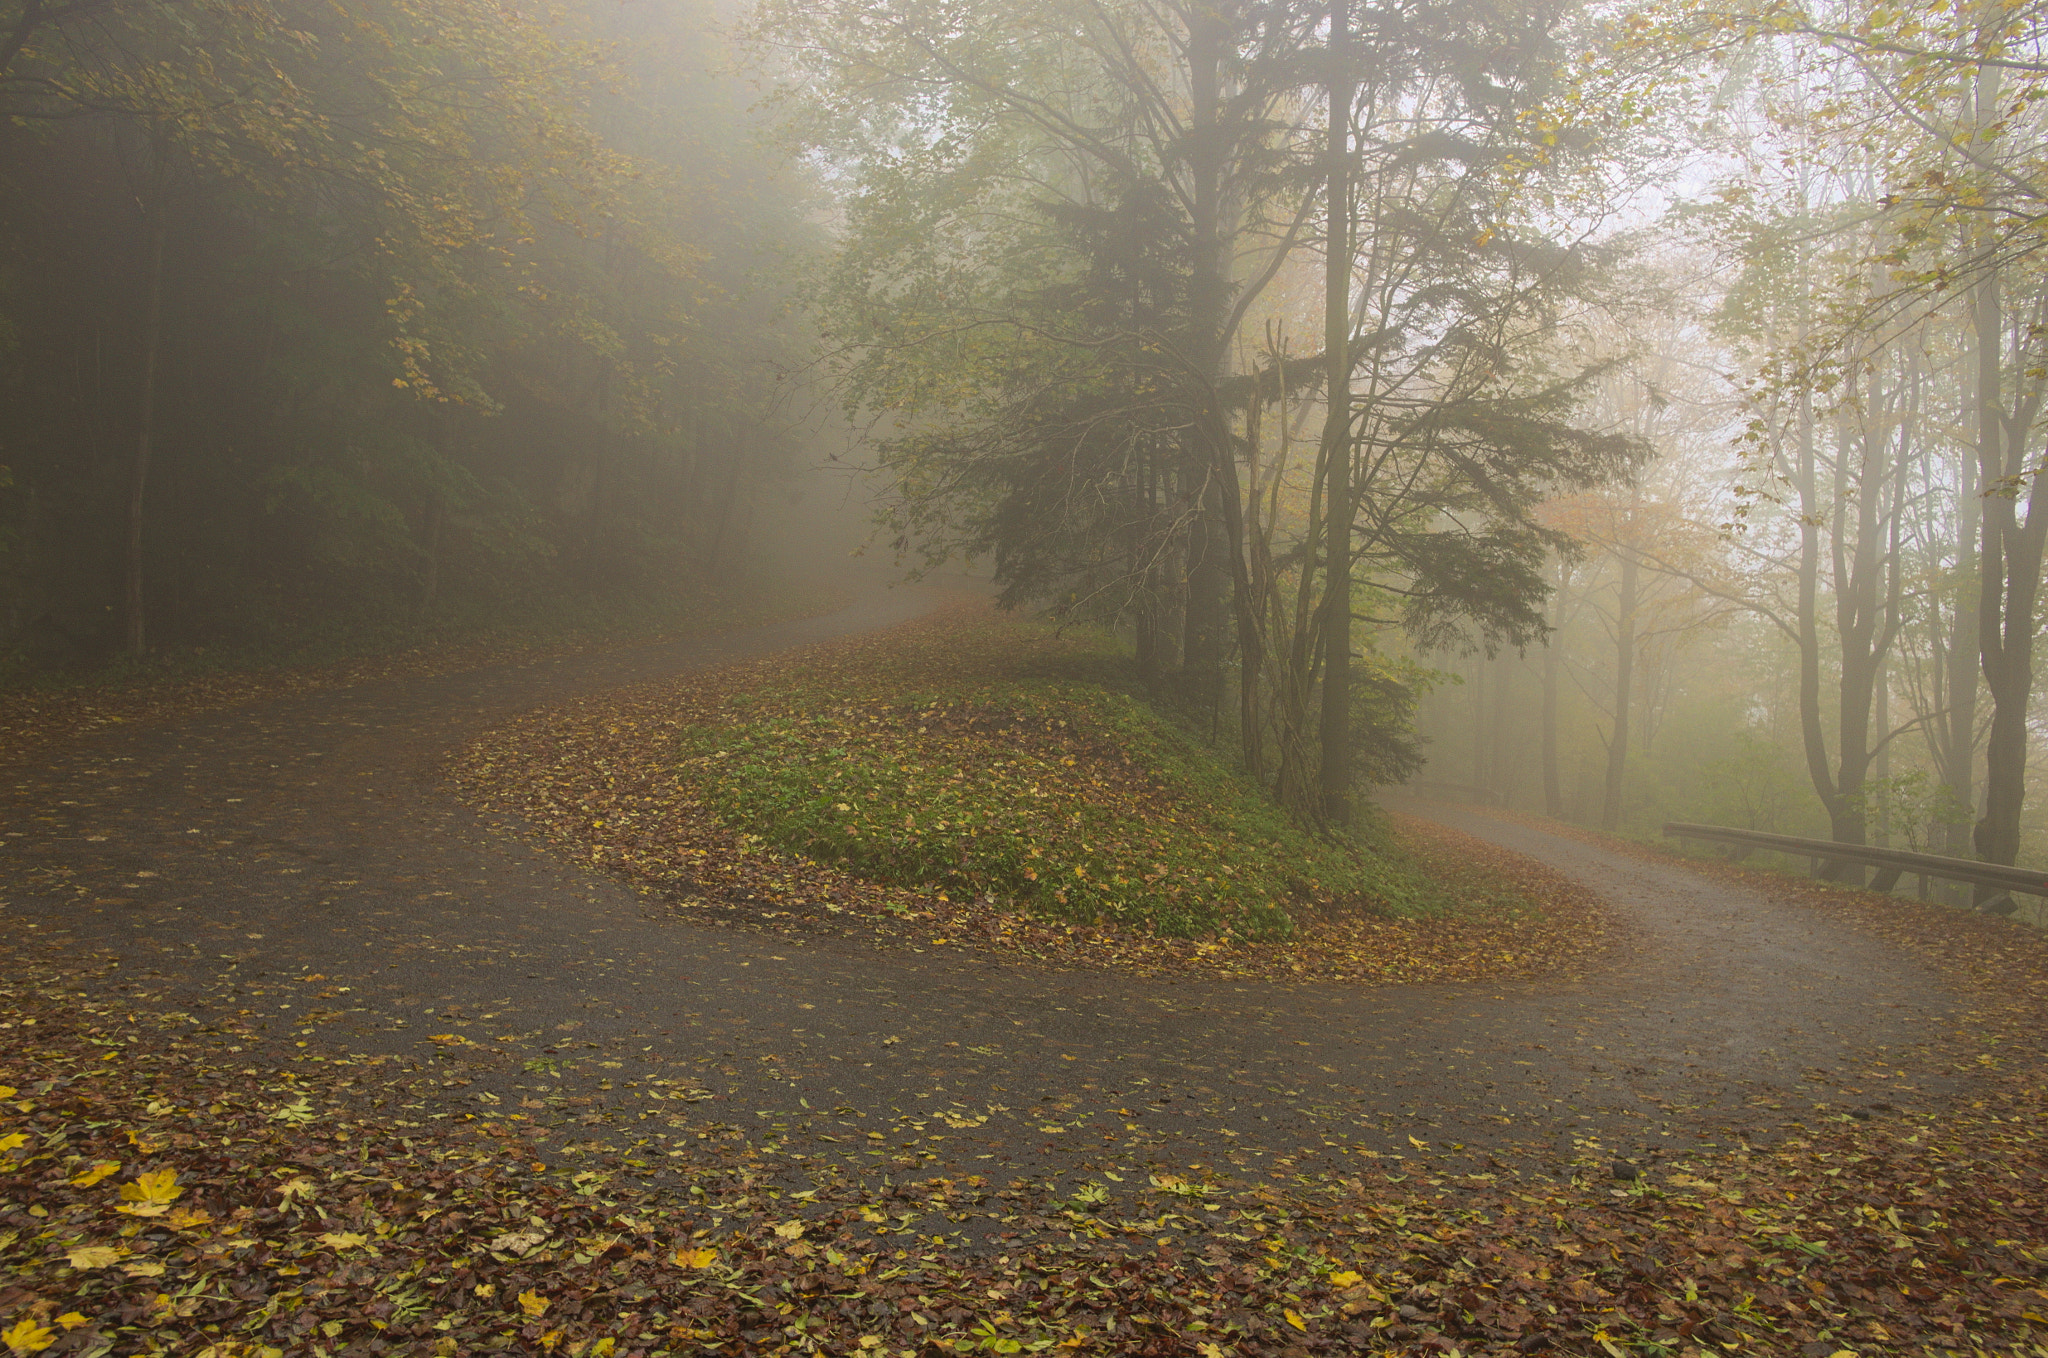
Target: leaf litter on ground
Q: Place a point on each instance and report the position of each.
(957, 783)
(172, 1182)
(153, 1201)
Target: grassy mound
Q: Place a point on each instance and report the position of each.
(918, 786)
(1064, 798)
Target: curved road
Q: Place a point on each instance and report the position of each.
(298, 861)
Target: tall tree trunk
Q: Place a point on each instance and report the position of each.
(1479, 771)
(1959, 723)
(1502, 782)
(2010, 567)
(1251, 644)
(1208, 303)
(1862, 624)
(1150, 642)
(1553, 792)
(1146, 627)
(135, 640)
(1336, 442)
(1624, 689)
(1881, 761)
(1812, 736)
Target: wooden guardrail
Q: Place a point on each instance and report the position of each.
(1890, 863)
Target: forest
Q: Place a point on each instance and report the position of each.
(1688, 359)
(928, 678)
(353, 321)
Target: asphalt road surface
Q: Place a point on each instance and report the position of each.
(301, 863)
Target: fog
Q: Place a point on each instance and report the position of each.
(1617, 413)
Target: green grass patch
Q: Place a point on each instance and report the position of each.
(1068, 799)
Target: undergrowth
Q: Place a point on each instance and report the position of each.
(1065, 798)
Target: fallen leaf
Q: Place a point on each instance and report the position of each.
(151, 1194)
(26, 1336)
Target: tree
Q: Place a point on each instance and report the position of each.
(1054, 249)
(968, 130)
(443, 313)
(1943, 105)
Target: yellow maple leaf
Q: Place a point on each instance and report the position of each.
(87, 1178)
(550, 1339)
(790, 1230)
(71, 1320)
(151, 1195)
(12, 1141)
(26, 1336)
(8, 1091)
(533, 1303)
(1296, 1321)
(695, 1258)
(92, 1256)
(343, 1240)
(1344, 1278)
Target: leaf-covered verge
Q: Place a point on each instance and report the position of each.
(168, 1185)
(970, 781)
(1064, 799)
(38, 714)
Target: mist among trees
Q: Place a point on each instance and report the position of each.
(1628, 414)
(348, 316)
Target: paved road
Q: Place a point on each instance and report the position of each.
(301, 862)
